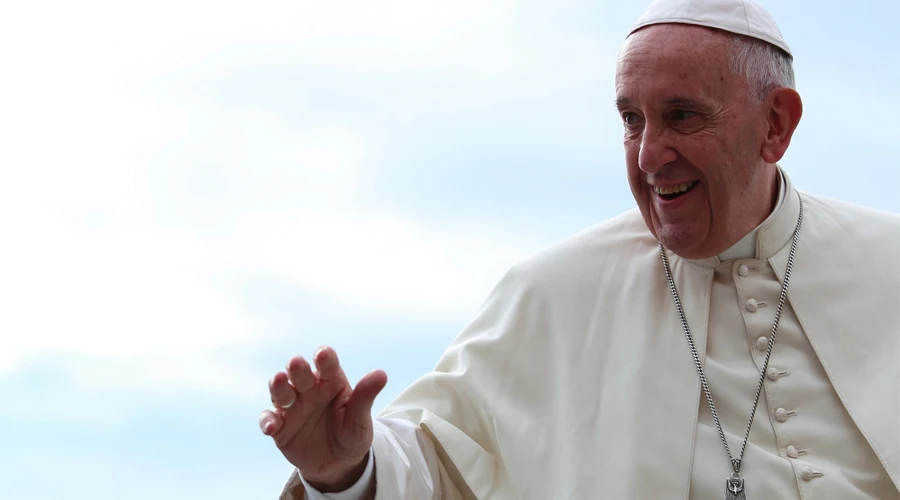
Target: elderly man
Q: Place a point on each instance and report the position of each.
(729, 338)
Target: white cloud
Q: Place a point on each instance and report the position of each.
(113, 294)
(91, 267)
(129, 287)
(304, 222)
(115, 36)
(124, 210)
(384, 264)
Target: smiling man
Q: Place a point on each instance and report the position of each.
(730, 338)
(701, 139)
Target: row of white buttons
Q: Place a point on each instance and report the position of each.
(751, 304)
(762, 344)
(806, 473)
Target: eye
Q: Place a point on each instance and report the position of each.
(681, 114)
(630, 118)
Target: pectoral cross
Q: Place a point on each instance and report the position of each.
(734, 488)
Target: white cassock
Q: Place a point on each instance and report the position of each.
(575, 380)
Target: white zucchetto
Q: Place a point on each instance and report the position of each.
(742, 17)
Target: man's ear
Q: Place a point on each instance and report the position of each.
(785, 109)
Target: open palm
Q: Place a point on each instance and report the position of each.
(320, 423)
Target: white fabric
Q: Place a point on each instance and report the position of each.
(406, 460)
(746, 246)
(355, 492)
(824, 439)
(575, 381)
(358, 490)
(743, 17)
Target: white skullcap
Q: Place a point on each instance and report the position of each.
(743, 17)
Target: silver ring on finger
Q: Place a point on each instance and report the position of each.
(285, 407)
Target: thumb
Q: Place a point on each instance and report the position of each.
(363, 397)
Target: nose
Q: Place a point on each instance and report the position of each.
(655, 152)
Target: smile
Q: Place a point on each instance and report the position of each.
(672, 192)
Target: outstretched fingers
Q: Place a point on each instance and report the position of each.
(302, 397)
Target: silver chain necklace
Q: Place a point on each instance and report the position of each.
(734, 485)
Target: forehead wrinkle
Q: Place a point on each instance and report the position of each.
(669, 85)
(683, 101)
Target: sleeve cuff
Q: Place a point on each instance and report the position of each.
(355, 492)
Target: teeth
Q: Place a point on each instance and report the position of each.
(675, 189)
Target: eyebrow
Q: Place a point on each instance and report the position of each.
(622, 102)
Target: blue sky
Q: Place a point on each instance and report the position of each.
(193, 191)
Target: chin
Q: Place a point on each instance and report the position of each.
(685, 242)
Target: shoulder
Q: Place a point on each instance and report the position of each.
(861, 224)
(556, 288)
(599, 251)
(857, 240)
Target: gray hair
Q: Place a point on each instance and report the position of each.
(765, 66)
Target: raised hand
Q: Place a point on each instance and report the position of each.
(321, 424)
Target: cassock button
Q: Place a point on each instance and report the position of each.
(794, 452)
(808, 474)
(743, 270)
(752, 305)
(782, 415)
(762, 343)
(773, 374)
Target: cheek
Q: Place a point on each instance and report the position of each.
(632, 155)
(635, 175)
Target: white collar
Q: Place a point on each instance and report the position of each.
(745, 248)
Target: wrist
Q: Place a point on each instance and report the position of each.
(340, 480)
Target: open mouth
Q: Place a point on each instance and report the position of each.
(672, 192)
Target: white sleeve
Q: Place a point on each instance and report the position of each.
(402, 462)
(355, 492)
(406, 463)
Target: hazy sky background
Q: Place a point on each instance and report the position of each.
(193, 191)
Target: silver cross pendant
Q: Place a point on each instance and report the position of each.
(734, 488)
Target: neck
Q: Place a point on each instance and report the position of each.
(758, 212)
(744, 244)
